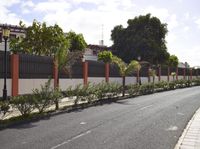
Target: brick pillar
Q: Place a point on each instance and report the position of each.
(85, 73)
(168, 73)
(159, 73)
(55, 73)
(176, 73)
(190, 74)
(107, 71)
(184, 73)
(15, 74)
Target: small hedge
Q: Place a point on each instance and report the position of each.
(43, 98)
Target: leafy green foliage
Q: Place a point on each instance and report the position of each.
(172, 85)
(4, 107)
(125, 69)
(133, 89)
(162, 85)
(144, 36)
(41, 39)
(105, 56)
(173, 61)
(146, 88)
(77, 41)
(43, 98)
(24, 103)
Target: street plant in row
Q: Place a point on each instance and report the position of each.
(24, 103)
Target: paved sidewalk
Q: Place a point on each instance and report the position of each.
(190, 138)
(14, 112)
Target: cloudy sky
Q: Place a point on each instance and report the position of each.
(88, 16)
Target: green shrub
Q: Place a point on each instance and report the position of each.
(172, 85)
(180, 83)
(162, 85)
(196, 81)
(188, 83)
(133, 89)
(44, 97)
(56, 96)
(4, 107)
(24, 103)
(146, 89)
(102, 90)
(114, 89)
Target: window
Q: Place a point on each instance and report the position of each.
(12, 36)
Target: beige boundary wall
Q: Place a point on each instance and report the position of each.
(27, 85)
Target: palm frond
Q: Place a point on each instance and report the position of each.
(132, 67)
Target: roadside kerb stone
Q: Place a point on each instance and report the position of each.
(190, 139)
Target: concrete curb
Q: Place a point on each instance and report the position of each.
(191, 126)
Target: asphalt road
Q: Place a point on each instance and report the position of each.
(147, 122)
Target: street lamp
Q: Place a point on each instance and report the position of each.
(6, 34)
(139, 58)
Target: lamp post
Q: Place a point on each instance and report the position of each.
(139, 59)
(6, 33)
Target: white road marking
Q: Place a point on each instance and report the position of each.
(83, 123)
(145, 107)
(180, 114)
(172, 128)
(74, 138)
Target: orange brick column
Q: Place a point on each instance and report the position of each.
(15, 74)
(55, 73)
(107, 71)
(176, 73)
(85, 73)
(168, 73)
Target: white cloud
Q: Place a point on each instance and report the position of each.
(161, 13)
(52, 6)
(6, 15)
(9, 3)
(164, 15)
(89, 22)
(172, 22)
(171, 38)
(198, 22)
(187, 15)
(186, 28)
(27, 3)
(193, 53)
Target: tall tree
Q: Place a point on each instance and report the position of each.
(41, 39)
(144, 37)
(77, 41)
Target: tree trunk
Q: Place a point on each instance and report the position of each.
(57, 105)
(123, 83)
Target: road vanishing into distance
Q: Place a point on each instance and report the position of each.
(153, 121)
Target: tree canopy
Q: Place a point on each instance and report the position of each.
(144, 36)
(41, 39)
(105, 56)
(77, 41)
(173, 61)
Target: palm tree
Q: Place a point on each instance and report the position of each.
(125, 69)
(152, 73)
